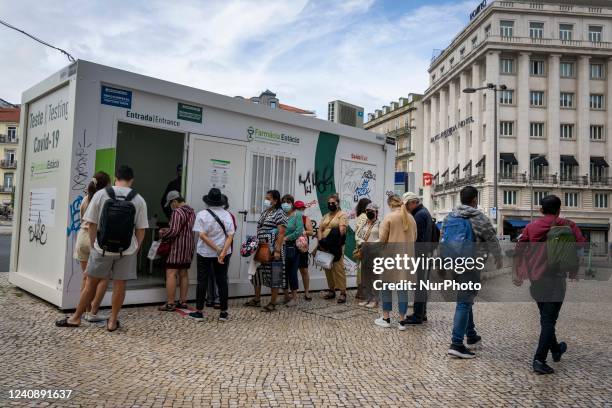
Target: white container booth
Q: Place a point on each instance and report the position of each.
(90, 117)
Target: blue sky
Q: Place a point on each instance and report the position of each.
(367, 52)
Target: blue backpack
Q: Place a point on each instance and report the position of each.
(458, 239)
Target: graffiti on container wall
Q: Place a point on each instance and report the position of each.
(319, 180)
(37, 232)
(80, 178)
(75, 215)
(358, 181)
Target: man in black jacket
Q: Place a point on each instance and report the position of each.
(424, 247)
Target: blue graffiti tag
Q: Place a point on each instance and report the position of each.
(75, 215)
(362, 191)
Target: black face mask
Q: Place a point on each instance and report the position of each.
(332, 207)
(371, 215)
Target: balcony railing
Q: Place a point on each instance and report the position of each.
(404, 130)
(520, 178)
(404, 151)
(465, 181)
(601, 181)
(574, 181)
(6, 189)
(6, 139)
(8, 164)
(545, 179)
(550, 42)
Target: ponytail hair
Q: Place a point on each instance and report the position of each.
(99, 181)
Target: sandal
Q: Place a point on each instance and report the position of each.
(330, 295)
(117, 325)
(168, 307)
(180, 305)
(342, 299)
(270, 307)
(307, 298)
(255, 302)
(65, 323)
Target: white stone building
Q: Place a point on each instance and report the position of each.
(554, 119)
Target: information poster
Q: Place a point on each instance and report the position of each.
(41, 206)
(220, 174)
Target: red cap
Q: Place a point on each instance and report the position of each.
(299, 205)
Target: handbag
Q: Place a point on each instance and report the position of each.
(164, 249)
(323, 259)
(263, 254)
(357, 252)
(153, 250)
(278, 272)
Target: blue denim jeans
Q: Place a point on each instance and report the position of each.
(402, 301)
(463, 323)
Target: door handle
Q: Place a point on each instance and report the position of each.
(244, 214)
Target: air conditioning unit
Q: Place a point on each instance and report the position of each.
(345, 113)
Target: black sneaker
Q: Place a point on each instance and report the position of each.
(223, 316)
(197, 316)
(541, 367)
(412, 320)
(556, 355)
(474, 341)
(460, 351)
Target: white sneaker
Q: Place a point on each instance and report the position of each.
(94, 318)
(382, 323)
(371, 305)
(362, 303)
(291, 303)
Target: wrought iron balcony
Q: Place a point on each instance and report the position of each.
(6, 189)
(601, 181)
(401, 131)
(404, 152)
(544, 179)
(574, 181)
(516, 178)
(6, 139)
(8, 164)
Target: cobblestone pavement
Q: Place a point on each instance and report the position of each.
(316, 354)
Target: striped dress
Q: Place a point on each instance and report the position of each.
(181, 235)
(267, 231)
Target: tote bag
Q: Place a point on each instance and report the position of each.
(323, 259)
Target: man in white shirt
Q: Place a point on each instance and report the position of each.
(104, 264)
(215, 229)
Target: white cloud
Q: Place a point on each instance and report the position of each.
(309, 52)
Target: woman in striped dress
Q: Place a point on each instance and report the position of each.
(182, 247)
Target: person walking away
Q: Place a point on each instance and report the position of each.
(271, 236)
(394, 202)
(295, 229)
(368, 232)
(82, 247)
(360, 220)
(423, 247)
(303, 256)
(397, 227)
(336, 275)
(215, 229)
(468, 224)
(117, 219)
(182, 247)
(173, 185)
(546, 253)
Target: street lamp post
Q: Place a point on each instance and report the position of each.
(494, 88)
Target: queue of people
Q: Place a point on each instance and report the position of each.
(114, 218)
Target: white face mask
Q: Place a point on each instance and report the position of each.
(267, 204)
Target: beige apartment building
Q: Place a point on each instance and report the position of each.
(402, 120)
(554, 118)
(9, 126)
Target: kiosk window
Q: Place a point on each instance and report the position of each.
(270, 172)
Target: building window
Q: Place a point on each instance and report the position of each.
(566, 32)
(567, 100)
(487, 30)
(506, 97)
(598, 171)
(8, 181)
(433, 78)
(566, 69)
(536, 67)
(567, 131)
(509, 197)
(597, 71)
(536, 98)
(270, 171)
(538, 196)
(597, 132)
(273, 104)
(571, 199)
(536, 30)
(11, 134)
(474, 42)
(506, 128)
(507, 66)
(506, 28)
(452, 61)
(595, 33)
(536, 129)
(597, 101)
(462, 51)
(566, 170)
(506, 169)
(601, 200)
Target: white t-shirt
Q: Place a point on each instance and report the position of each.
(93, 213)
(207, 224)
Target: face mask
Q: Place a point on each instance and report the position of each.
(370, 215)
(267, 204)
(332, 207)
(286, 207)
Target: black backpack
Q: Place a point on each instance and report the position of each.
(117, 221)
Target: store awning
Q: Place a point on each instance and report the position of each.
(599, 162)
(540, 161)
(481, 161)
(592, 226)
(456, 170)
(445, 173)
(508, 158)
(517, 223)
(569, 160)
(467, 166)
(436, 175)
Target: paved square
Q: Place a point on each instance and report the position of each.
(310, 355)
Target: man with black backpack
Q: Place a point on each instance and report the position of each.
(117, 218)
(546, 253)
(469, 229)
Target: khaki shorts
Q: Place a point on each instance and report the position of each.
(112, 266)
(82, 247)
